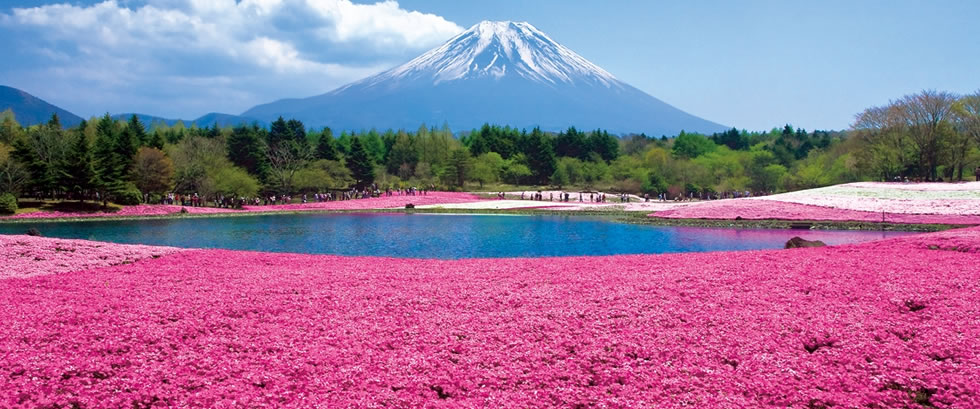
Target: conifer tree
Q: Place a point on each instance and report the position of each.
(325, 148)
(360, 164)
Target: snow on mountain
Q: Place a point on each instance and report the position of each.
(491, 48)
(508, 73)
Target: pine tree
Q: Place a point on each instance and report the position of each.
(245, 149)
(79, 171)
(156, 140)
(360, 164)
(278, 132)
(325, 148)
(54, 122)
(127, 144)
(137, 130)
(108, 170)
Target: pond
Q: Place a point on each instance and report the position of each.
(432, 235)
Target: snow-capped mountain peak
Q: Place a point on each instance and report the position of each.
(497, 72)
(495, 49)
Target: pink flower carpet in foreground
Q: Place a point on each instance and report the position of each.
(26, 256)
(357, 204)
(758, 209)
(887, 324)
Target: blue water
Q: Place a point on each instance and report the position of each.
(431, 235)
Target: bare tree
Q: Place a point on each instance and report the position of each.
(926, 117)
(968, 115)
(887, 150)
(285, 160)
(13, 176)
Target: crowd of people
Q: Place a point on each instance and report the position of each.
(599, 197)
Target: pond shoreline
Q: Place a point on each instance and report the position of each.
(635, 217)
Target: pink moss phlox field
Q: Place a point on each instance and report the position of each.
(753, 209)
(887, 324)
(27, 256)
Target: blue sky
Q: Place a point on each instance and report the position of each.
(750, 64)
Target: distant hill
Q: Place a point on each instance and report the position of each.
(30, 110)
(207, 120)
(498, 72)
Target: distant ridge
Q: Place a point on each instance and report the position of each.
(30, 110)
(205, 121)
(507, 73)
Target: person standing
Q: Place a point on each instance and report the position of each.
(977, 173)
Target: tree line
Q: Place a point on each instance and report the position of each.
(926, 136)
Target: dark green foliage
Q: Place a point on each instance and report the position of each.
(127, 195)
(572, 143)
(79, 169)
(459, 166)
(403, 155)
(295, 130)
(731, 138)
(8, 203)
(41, 151)
(493, 138)
(360, 164)
(603, 144)
(108, 167)
(137, 132)
(245, 149)
(54, 122)
(278, 132)
(655, 184)
(326, 146)
(540, 156)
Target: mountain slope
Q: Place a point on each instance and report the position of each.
(30, 110)
(498, 72)
(205, 121)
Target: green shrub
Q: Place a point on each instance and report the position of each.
(8, 203)
(128, 196)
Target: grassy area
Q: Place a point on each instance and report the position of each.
(30, 205)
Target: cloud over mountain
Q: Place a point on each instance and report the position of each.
(188, 57)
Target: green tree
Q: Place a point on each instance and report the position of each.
(234, 182)
(278, 132)
(153, 171)
(487, 168)
(246, 150)
(690, 145)
(360, 165)
(655, 184)
(80, 168)
(459, 167)
(137, 131)
(540, 156)
(326, 147)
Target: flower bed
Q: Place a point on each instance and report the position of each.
(911, 198)
(884, 324)
(759, 209)
(27, 256)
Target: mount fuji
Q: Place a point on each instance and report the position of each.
(506, 73)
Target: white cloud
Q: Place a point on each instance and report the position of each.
(273, 47)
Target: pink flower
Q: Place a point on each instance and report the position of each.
(883, 324)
